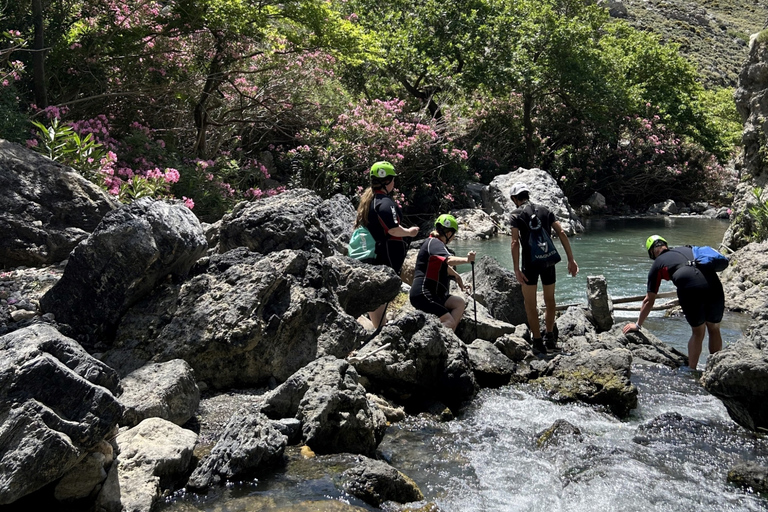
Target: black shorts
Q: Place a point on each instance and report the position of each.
(392, 254)
(702, 305)
(532, 274)
(423, 300)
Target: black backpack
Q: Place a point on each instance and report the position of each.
(543, 251)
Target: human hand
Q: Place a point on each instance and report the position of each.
(468, 288)
(413, 231)
(470, 256)
(630, 327)
(521, 277)
(573, 268)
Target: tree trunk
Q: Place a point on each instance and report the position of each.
(212, 80)
(528, 130)
(38, 55)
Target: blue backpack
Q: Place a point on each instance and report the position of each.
(361, 245)
(708, 259)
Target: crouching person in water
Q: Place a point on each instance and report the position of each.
(434, 270)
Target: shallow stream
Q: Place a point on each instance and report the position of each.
(487, 460)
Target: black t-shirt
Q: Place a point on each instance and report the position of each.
(519, 220)
(431, 266)
(383, 215)
(672, 265)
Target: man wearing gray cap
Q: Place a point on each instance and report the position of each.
(531, 229)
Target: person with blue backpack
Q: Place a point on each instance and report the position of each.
(532, 226)
(693, 271)
(382, 216)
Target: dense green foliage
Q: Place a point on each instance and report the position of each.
(242, 99)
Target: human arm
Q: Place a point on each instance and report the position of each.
(573, 267)
(645, 309)
(458, 260)
(400, 231)
(452, 273)
(515, 248)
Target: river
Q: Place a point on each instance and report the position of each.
(486, 459)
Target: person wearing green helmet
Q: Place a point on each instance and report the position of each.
(524, 219)
(699, 291)
(434, 271)
(382, 216)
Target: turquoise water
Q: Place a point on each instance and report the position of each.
(615, 249)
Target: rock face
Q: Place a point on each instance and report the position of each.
(245, 318)
(129, 253)
(166, 390)
(745, 279)
(498, 290)
(474, 224)
(56, 403)
(544, 191)
(751, 103)
(297, 219)
(750, 475)
(599, 302)
(375, 482)
(738, 375)
(151, 454)
(335, 413)
(46, 209)
(423, 360)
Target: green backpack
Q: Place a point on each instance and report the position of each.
(361, 246)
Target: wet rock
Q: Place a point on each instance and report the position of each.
(487, 327)
(498, 290)
(599, 303)
(745, 279)
(165, 390)
(297, 219)
(673, 428)
(131, 251)
(56, 402)
(375, 482)
(560, 432)
(46, 208)
(474, 224)
(335, 413)
(150, 455)
(245, 319)
(422, 359)
(668, 207)
(544, 191)
(749, 475)
(515, 347)
(600, 377)
(491, 367)
(250, 443)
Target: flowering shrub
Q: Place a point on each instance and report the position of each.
(431, 170)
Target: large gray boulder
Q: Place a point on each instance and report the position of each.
(360, 287)
(474, 224)
(375, 482)
(131, 251)
(56, 403)
(152, 455)
(416, 358)
(498, 290)
(297, 219)
(46, 208)
(164, 390)
(744, 281)
(244, 319)
(544, 191)
(335, 413)
(738, 375)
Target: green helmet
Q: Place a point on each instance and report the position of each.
(652, 242)
(446, 222)
(382, 170)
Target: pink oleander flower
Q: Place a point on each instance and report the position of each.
(171, 175)
(189, 203)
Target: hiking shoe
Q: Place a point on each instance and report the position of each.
(537, 345)
(549, 341)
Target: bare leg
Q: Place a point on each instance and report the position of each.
(456, 307)
(376, 316)
(715, 339)
(694, 345)
(531, 310)
(549, 304)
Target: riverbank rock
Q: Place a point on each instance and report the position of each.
(375, 482)
(673, 428)
(297, 219)
(165, 390)
(131, 251)
(244, 319)
(474, 224)
(486, 328)
(56, 403)
(738, 375)
(20, 292)
(46, 208)
(422, 360)
(498, 290)
(151, 455)
(599, 303)
(745, 281)
(491, 367)
(360, 287)
(85, 478)
(544, 191)
(750, 102)
(561, 432)
(250, 443)
(749, 475)
(335, 413)
(600, 377)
